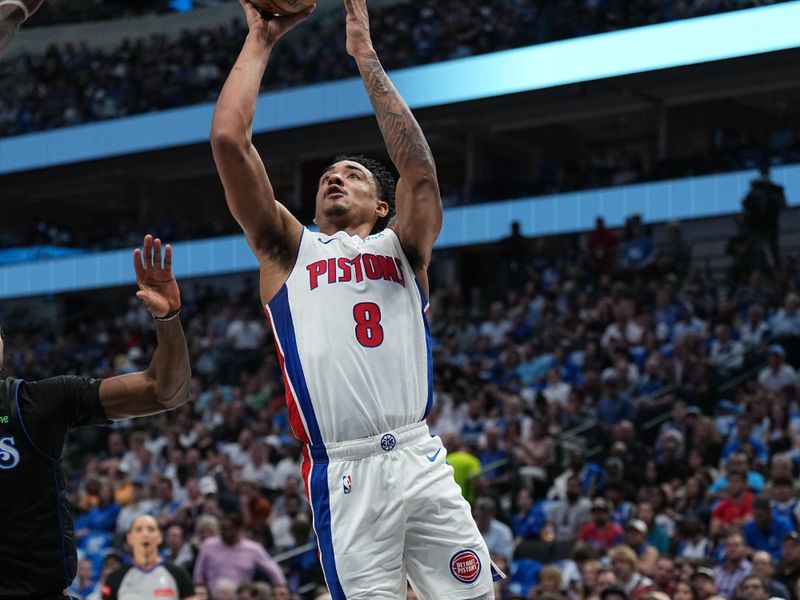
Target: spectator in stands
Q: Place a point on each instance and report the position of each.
(495, 459)
(777, 375)
(530, 519)
(84, 582)
(761, 208)
(754, 331)
(727, 354)
(664, 576)
(176, 549)
(625, 566)
(766, 531)
(636, 532)
(735, 566)
(568, 516)
(234, 558)
(683, 590)
(600, 533)
(753, 587)
(614, 406)
(638, 251)
(466, 466)
(497, 535)
(735, 507)
(788, 571)
(785, 503)
(602, 246)
(704, 583)
(764, 567)
(743, 441)
(693, 544)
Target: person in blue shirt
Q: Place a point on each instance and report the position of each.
(743, 437)
(639, 251)
(737, 463)
(614, 406)
(766, 531)
(496, 458)
(84, 582)
(530, 519)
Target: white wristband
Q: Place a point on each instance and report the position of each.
(19, 4)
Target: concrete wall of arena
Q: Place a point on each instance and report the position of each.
(109, 34)
(680, 199)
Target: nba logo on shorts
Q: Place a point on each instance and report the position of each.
(388, 442)
(347, 483)
(465, 566)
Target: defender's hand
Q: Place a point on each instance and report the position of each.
(158, 289)
(358, 36)
(271, 29)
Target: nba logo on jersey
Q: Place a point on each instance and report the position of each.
(465, 566)
(388, 442)
(347, 483)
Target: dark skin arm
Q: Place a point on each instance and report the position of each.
(270, 229)
(164, 385)
(419, 205)
(12, 16)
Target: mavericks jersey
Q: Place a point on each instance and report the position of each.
(37, 548)
(352, 338)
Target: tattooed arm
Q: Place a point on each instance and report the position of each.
(419, 206)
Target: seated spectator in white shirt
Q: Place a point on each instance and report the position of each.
(777, 375)
(727, 354)
(786, 321)
(754, 331)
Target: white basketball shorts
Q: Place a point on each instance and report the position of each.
(386, 510)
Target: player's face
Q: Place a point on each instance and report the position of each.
(347, 196)
(144, 535)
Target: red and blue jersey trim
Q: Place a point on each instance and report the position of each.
(429, 355)
(298, 399)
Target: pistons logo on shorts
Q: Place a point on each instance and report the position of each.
(465, 566)
(388, 442)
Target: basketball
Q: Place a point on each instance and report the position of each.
(282, 7)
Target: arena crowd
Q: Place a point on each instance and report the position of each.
(623, 425)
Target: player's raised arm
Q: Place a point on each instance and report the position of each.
(419, 206)
(164, 385)
(247, 188)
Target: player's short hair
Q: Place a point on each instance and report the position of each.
(385, 181)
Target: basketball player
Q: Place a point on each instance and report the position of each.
(14, 13)
(148, 576)
(37, 549)
(347, 307)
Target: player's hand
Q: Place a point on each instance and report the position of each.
(158, 289)
(271, 29)
(358, 36)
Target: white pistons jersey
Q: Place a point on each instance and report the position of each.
(352, 338)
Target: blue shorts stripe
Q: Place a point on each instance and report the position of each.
(321, 504)
(428, 353)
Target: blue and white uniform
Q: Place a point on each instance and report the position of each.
(354, 345)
